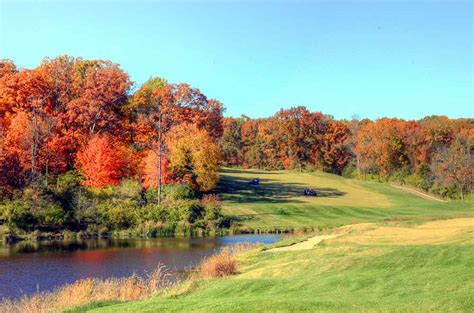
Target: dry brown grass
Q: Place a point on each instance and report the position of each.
(90, 290)
(224, 263)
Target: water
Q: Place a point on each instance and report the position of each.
(28, 267)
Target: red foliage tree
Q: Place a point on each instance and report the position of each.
(100, 162)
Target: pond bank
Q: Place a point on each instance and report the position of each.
(27, 266)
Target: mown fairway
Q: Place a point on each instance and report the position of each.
(367, 267)
(278, 202)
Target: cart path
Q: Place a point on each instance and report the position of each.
(418, 193)
(304, 245)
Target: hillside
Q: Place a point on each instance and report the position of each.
(278, 202)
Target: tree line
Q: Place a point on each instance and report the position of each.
(434, 154)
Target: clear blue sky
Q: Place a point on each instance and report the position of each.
(402, 59)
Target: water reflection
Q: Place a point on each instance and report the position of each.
(27, 266)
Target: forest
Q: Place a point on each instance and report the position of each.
(84, 150)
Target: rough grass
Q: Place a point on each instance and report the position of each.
(340, 275)
(278, 202)
(90, 290)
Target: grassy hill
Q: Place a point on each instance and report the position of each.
(278, 202)
(416, 256)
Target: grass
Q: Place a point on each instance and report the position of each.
(278, 202)
(342, 274)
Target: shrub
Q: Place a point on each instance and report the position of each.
(212, 207)
(153, 212)
(129, 189)
(17, 214)
(399, 176)
(444, 191)
(350, 171)
(184, 210)
(178, 192)
(118, 213)
(421, 178)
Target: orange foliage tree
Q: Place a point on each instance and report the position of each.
(100, 162)
(150, 170)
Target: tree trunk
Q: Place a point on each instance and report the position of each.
(160, 157)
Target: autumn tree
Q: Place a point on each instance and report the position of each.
(150, 168)
(382, 146)
(158, 106)
(100, 162)
(231, 141)
(101, 92)
(334, 154)
(455, 165)
(299, 132)
(194, 159)
(28, 92)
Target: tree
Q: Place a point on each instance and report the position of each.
(194, 159)
(100, 162)
(28, 92)
(299, 132)
(151, 165)
(454, 165)
(334, 155)
(152, 104)
(382, 146)
(101, 92)
(158, 106)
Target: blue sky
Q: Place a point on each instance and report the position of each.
(402, 59)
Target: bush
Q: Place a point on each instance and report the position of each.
(184, 211)
(17, 214)
(129, 189)
(444, 191)
(399, 176)
(350, 171)
(68, 206)
(178, 192)
(421, 178)
(51, 216)
(118, 213)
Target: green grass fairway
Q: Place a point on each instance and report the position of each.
(278, 202)
(367, 268)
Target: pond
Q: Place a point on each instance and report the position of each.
(27, 267)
